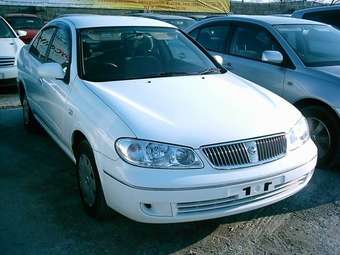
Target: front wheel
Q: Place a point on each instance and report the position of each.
(325, 132)
(90, 188)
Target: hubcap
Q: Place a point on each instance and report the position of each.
(87, 180)
(26, 111)
(320, 135)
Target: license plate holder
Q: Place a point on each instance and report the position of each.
(260, 187)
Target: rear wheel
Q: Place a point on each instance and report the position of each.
(325, 132)
(30, 122)
(90, 188)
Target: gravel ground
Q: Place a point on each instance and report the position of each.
(40, 212)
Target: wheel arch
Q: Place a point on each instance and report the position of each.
(21, 90)
(314, 102)
(77, 137)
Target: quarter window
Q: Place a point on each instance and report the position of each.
(214, 37)
(251, 41)
(40, 45)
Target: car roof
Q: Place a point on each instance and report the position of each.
(88, 21)
(160, 16)
(316, 9)
(259, 19)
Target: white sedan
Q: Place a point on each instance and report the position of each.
(10, 46)
(158, 130)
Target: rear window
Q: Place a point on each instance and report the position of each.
(180, 23)
(25, 23)
(328, 17)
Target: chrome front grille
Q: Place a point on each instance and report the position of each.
(6, 62)
(272, 147)
(246, 153)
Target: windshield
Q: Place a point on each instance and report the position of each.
(25, 22)
(109, 54)
(316, 45)
(5, 31)
(180, 23)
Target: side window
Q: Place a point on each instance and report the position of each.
(60, 50)
(250, 41)
(214, 37)
(40, 45)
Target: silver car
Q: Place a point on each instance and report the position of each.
(295, 58)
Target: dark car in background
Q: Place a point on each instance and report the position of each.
(181, 22)
(326, 14)
(26, 22)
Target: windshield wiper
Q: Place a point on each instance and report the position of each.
(211, 70)
(164, 74)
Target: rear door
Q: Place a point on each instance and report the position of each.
(244, 56)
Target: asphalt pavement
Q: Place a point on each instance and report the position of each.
(41, 213)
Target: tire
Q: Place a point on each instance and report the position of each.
(325, 132)
(90, 188)
(30, 123)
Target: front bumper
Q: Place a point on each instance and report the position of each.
(182, 204)
(8, 76)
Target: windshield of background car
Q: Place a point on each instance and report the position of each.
(316, 45)
(110, 54)
(180, 23)
(5, 31)
(25, 23)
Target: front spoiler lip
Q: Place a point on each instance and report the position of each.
(197, 188)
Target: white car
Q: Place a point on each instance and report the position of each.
(158, 130)
(10, 46)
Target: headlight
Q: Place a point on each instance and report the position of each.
(156, 155)
(298, 135)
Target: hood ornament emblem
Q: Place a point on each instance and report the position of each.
(252, 152)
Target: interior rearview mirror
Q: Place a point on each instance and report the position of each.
(272, 56)
(219, 59)
(51, 71)
(21, 33)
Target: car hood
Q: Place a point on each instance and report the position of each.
(330, 70)
(197, 110)
(10, 47)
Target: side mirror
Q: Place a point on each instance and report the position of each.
(219, 59)
(272, 56)
(21, 33)
(51, 71)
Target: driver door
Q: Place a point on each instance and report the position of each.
(57, 90)
(244, 56)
